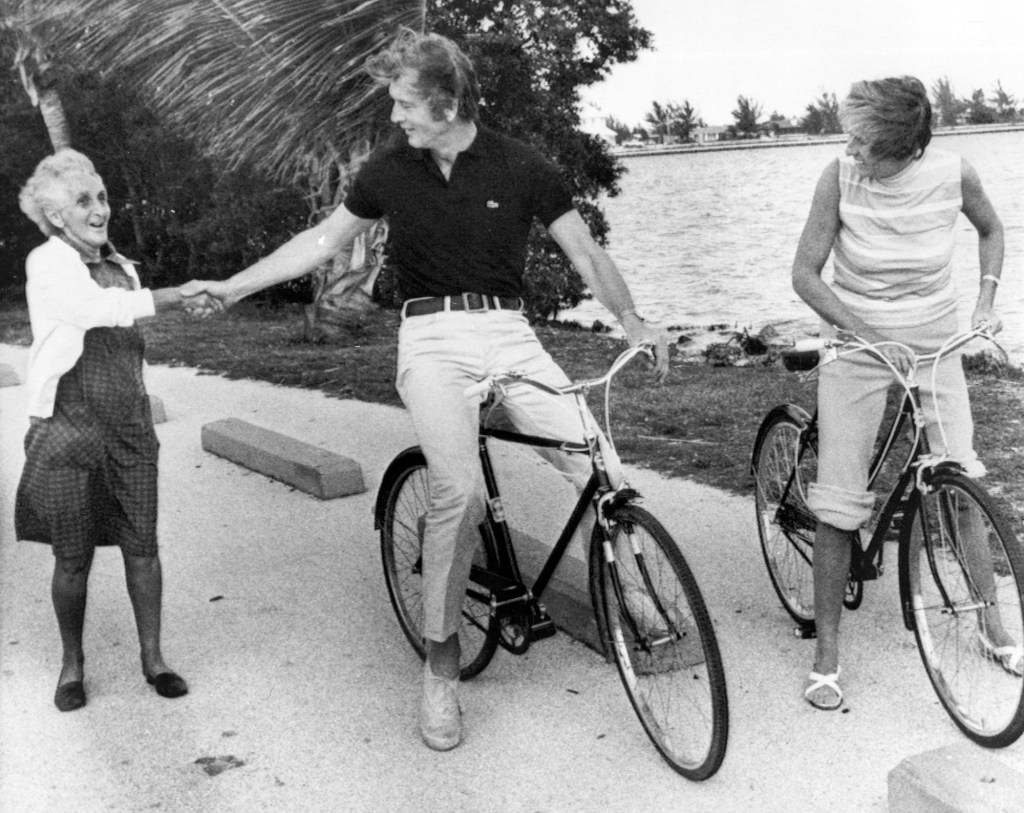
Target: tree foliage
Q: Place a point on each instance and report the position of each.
(978, 109)
(746, 115)
(623, 132)
(822, 116)
(275, 85)
(946, 106)
(32, 31)
(1005, 104)
(673, 122)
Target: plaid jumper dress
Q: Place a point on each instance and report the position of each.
(90, 475)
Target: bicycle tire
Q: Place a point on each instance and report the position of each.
(661, 636)
(787, 535)
(946, 582)
(403, 504)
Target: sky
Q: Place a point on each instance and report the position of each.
(783, 54)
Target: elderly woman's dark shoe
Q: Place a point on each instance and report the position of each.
(168, 684)
(70, 696)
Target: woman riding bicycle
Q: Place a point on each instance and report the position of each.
(887, 212)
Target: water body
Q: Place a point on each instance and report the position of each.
(709, 238)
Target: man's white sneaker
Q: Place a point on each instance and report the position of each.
(440, 715)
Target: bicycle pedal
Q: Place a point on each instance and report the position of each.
(868, 573)
(806, 630)
(542, 628)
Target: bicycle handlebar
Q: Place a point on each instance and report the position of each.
(497, 380)
(848, 343)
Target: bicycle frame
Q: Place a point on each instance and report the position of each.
(498, 528)
(651, 618)
(867, 560)
(507, 587)
(960, 565)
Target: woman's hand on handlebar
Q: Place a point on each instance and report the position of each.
(901, 357)
(986, 319)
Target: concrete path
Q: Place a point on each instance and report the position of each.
(304, 691)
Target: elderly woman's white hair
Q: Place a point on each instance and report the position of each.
(48, 186)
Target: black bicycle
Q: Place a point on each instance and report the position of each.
(960, 564)
(649, 610)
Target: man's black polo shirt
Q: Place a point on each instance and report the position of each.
(467, 233)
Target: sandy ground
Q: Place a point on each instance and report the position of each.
(304, 691)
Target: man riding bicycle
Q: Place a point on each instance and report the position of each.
(460, 199)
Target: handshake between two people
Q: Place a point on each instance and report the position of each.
(205, 298)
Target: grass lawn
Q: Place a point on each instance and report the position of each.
(700, 424)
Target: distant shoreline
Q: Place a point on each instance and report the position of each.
(795, 141)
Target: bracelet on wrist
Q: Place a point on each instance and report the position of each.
(991, 277)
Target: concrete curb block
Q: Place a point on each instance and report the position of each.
(567, 597)
(319, 472)
(959, 778)
(8, 378)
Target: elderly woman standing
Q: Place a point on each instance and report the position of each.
(90, 475)
(888, 213)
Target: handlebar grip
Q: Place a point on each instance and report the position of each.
(809, 345)
(478, 390)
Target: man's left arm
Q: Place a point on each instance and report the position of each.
(600, 274)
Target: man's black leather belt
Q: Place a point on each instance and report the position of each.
(472, 303)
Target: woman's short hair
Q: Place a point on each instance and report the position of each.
(48, 187)
(444, 74)
(893, 116)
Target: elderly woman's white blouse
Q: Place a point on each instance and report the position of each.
(63, 303)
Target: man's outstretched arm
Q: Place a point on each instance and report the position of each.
(601, 275)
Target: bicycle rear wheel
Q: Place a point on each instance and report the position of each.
(785, 524)
(962, 568)
(660, 633)
(405, 499)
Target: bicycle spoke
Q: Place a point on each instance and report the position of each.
(786, 526)
(663, 643)
(964, 574)
(401, 549)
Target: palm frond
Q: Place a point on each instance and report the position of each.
(273, 83)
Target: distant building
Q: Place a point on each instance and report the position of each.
(709, 135)
(783, 127)
(592, 122)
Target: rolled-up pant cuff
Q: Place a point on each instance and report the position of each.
(840, 508)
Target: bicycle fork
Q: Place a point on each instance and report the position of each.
(643, 640)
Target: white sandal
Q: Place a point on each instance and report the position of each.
(819, 681)
(1010, 657)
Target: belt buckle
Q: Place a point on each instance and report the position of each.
(482, 305)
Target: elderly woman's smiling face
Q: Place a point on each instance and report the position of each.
(84, 214)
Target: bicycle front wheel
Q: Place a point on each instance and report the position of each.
(962, 569)
(405, 499)
(660, 633)
(786, 526)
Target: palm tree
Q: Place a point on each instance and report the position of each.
(1006, 104)
(31, 30)
(747, 113)
(658, 118)
(275, 85)
(946, 103)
